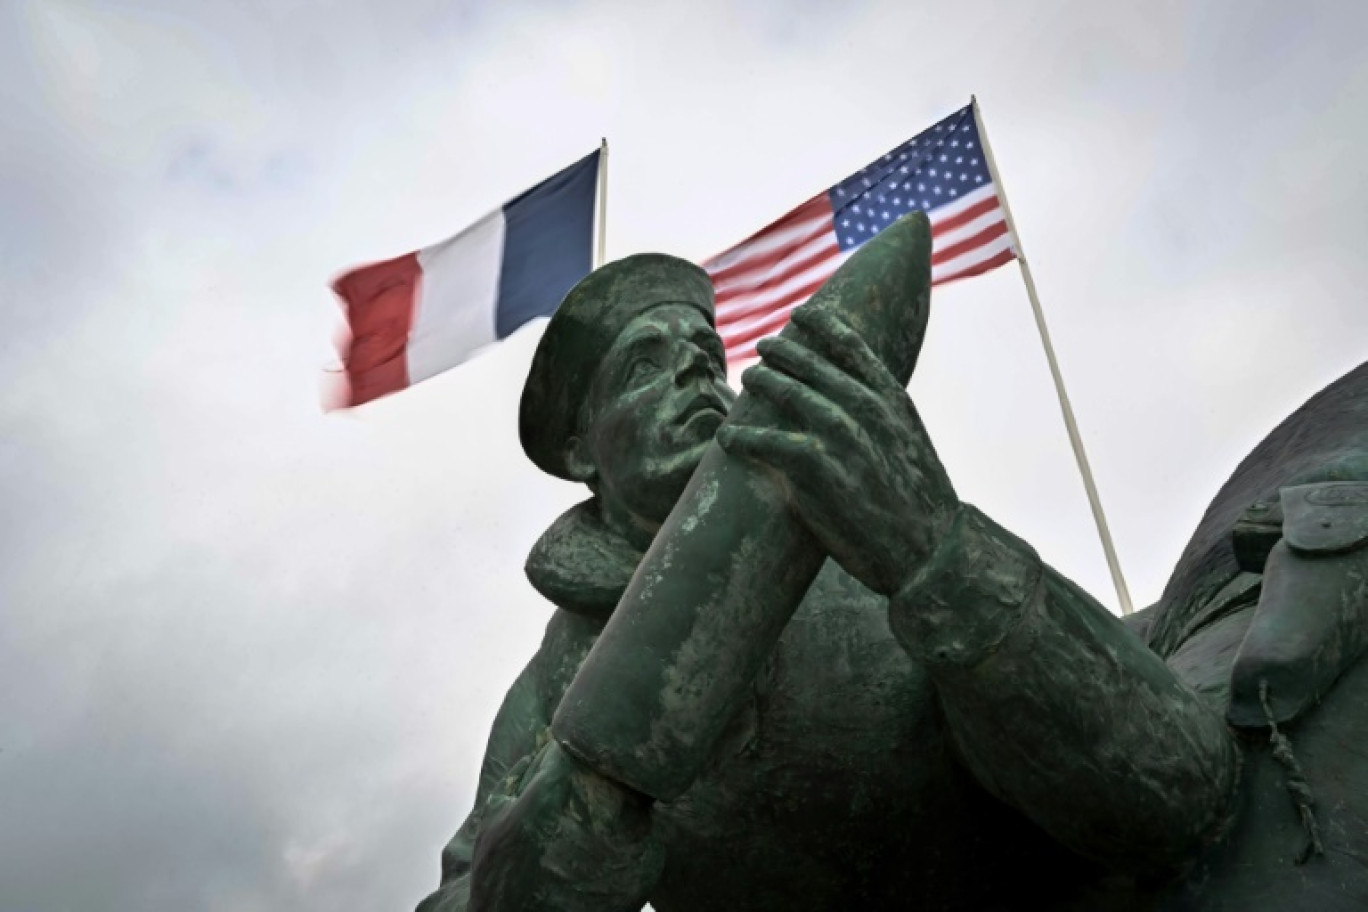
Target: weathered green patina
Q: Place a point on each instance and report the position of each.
(790, 670)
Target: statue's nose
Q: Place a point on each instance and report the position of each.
(691, 361)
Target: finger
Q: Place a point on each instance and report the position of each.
(810, 409)
(815, 499)
(800, 460)
(496, 805)
(513, 781)
(832, 338)
(828, 380)
(785, 451)
(928, 461)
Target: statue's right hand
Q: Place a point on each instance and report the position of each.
(560, 836)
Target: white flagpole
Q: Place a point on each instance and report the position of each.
(1114, 565)
(602, 210)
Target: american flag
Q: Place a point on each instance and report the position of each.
(942, 172)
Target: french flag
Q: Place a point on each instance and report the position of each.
(417, 315)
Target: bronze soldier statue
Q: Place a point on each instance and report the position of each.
(935, 719)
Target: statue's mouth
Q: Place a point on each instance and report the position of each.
(709, 416)
(702, 405)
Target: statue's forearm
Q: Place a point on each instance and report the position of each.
(569, 840)
(1061, 711)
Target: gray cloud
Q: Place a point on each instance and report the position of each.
(249, 654)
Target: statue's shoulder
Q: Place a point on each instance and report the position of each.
(580, 566)
(1326, 438)
(568, 639)
(533, 696)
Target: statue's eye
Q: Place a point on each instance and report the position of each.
(642, 369)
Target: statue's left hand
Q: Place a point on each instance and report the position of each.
(851, 448)
(560, 836)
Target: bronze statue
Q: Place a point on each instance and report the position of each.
(790, 670)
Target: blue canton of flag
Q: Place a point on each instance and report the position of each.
(930, 170)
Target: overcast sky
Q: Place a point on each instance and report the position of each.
(249, 653)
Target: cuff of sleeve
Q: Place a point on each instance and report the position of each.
(970, 596)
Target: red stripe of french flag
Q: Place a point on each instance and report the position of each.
(417, 315)
(380, 301)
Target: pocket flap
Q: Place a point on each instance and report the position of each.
(1326, 518)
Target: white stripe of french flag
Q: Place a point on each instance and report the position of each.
(417, 315)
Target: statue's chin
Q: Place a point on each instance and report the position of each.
(659, 491)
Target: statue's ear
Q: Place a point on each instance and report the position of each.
(577, 461)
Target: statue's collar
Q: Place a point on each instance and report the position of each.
(581, 564)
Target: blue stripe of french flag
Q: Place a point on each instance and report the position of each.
(412, 317)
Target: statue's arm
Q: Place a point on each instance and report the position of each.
(546, 831)
(1055, 706)
(513, 737)
(1059, 709)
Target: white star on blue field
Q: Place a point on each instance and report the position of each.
(934, 168)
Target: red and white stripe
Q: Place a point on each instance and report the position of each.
(761, 280)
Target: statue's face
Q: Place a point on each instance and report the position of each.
(658, 398)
